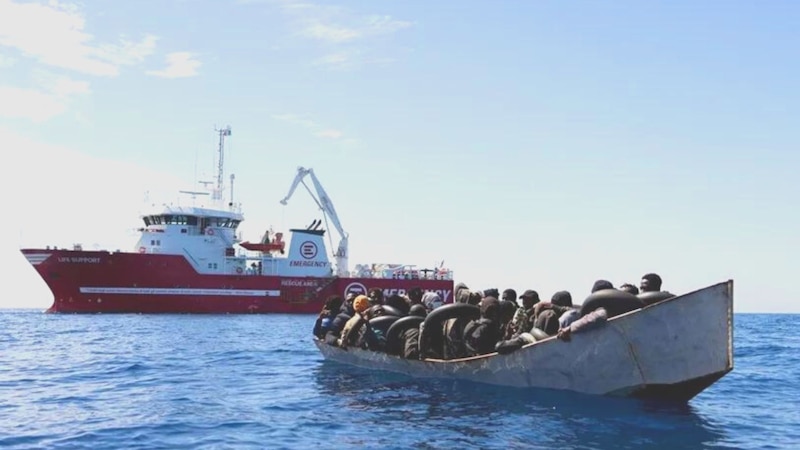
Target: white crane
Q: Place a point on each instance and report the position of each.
(324, 202)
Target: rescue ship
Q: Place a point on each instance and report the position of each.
(192, 259)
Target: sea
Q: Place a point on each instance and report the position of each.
(132, 381)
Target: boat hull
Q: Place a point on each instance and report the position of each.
(121, 282)
(671, 350)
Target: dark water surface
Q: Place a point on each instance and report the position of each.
(183, 381)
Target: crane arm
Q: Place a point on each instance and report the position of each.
(301, 173)
(327, 205)
(324, 203)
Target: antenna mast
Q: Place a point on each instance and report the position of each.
(220, 163)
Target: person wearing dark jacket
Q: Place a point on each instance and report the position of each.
(338, 322)
(547, 314)
(410, 337)
(327, 315)
(480, 336)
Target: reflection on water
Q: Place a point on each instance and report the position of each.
(404, 411)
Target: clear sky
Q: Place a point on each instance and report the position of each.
(528, 144)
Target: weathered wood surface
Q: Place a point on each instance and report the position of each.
(672, 350)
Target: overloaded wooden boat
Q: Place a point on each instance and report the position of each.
(671, 350)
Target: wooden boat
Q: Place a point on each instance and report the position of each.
(671, 350)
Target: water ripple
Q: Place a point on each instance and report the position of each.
(183, 381)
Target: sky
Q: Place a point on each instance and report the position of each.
(532, 145)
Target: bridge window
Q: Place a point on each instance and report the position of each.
(222, 222)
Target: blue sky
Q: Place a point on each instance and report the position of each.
(527, 144)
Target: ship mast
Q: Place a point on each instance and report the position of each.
(220, 163)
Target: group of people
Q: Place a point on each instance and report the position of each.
(421, 326)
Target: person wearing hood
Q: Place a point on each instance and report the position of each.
(475, 297)
(546, 315)
(481, 336)
(461, 293)
(431, 301)
(353, 326)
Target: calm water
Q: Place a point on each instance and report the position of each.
(180, 381)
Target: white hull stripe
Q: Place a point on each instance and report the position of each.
(37, 258)
(181, 291)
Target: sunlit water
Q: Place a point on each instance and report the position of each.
(183, 381)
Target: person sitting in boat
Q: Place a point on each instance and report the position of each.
(475, 297)
(375, 296)
(481, 336)
(507, 311)
(353, 326)
(600, 285)
(546, 315)
(650, 282)
(629, 288)
(614, 301)
(398, 302)
(345, 313)
(431, 301)
(453, 329)
(461, 293)
(327, 315)
(409, 339)
(651, 290)
(415, 296)
(523, 318)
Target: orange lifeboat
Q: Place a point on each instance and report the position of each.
(266, 246)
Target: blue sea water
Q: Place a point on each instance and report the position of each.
(250, 381)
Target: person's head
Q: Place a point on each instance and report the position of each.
(398, 302)
(431, 301)
(562, 298)
(600, 285)
(491, 292)
(507, 310)
(376, 296)
(629, 288)
(529, 298)
(509, 295)
(347, 306)
(415, 295)
(361, 303)
(651, 282)
(462, 296)
(490, 308)
(418, 310)
(475, 297)
(334, 303)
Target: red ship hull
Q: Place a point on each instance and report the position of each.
(104, 282)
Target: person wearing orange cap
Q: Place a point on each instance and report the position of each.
(352, 327)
